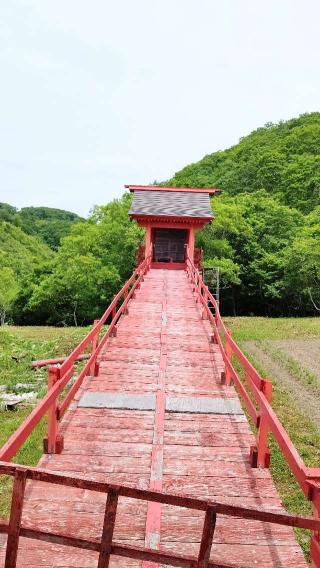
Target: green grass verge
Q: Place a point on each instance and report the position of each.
(300, 427)
(258, 328)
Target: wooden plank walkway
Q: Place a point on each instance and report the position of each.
(163, 348)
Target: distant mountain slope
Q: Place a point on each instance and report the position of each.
(50, 224)
(23, 253)
(283, 159)
(23, 259)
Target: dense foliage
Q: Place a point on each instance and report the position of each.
(23, 259)
(265, 237)
(283, 159)
(89, 267)
(51, 225)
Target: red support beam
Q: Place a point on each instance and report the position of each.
(18, 490)
(207, 537)
(108, 528)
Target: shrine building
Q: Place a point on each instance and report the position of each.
(171, 217)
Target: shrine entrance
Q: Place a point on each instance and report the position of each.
(169, 245)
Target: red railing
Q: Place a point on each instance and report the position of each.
(60, 376)
(257, 403)
(106, 546)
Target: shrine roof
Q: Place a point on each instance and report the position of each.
(171, 202)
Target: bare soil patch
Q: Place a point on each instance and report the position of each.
(304, 398)
(306, 352)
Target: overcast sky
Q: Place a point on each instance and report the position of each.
(98, 93)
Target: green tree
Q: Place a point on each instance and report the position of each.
(248, 240)
(90, 266)
(303, 266)
(9, 289)
(282, 159)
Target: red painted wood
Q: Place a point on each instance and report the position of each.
(207, 537)
(108, 529)
(47, 362)
(15, 517)
(258, 387)
(53, 378)
(201, 455)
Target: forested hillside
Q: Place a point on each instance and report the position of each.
(89, 268)
(266, 234)
(265, 237)
(23, 260)
(50, 224)
(283, 159)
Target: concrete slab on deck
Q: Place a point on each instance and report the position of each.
(190, 404)
(203, 405)
(117, 400)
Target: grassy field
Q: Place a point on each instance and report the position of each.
(284, 350)
(18, 347)
(271, 345)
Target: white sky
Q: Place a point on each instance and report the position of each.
(95, 94)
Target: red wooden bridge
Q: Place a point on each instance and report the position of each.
(150, 459)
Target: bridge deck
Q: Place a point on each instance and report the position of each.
(162, 348)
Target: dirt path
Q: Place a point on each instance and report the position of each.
(305, 352)
(305, 399)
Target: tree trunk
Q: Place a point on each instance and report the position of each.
(75, 315)
(233, 303)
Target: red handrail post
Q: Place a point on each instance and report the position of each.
(205, 307)
(53, 442)
(207, 537)
(93, 348)
(315, 539)
(108, 528)
(114, 313)
(228, 352)
(126, 310)
(18, 490)
(260, 454)
(114, 309)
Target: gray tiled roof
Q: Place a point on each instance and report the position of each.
(167, 203)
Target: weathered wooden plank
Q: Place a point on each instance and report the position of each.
(248, 556)
(184, 528)
(248, 485)
(202, 453)
(208, 439)
(89, 448)
(100, 464)
(124, 435)
(218, 468)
